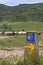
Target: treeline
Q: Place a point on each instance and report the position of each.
(22, 12)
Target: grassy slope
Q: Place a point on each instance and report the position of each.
(22, 26)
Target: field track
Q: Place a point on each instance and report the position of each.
(16, 52)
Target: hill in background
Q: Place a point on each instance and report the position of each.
(22, 12)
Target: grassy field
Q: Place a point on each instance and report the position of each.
(12, 41)
(11, 60)
(9, 42)
(21, 26)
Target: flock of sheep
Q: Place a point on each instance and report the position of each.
(12, 33)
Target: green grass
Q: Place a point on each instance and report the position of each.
(12, 41)
(8, 43)
(20, 60)
(41, 60)
(21, 26)
(11, 60)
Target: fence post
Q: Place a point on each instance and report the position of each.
(31, 49)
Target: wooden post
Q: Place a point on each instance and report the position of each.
(31, 56)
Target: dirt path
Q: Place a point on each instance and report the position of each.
(15, 52)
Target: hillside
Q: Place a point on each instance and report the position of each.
(22, 12)
(19, 26)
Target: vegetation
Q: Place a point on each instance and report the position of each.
(18, 26)
(41, 60)
(11, 60)
(22, 12)
(21, 17)
(20, 61)
(9, 43)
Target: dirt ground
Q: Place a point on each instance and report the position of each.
(16, 52)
